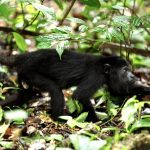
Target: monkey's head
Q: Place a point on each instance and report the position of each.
(121, 80)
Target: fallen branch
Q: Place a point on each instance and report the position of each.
(116, 47)
(112, 46)
(24, 32)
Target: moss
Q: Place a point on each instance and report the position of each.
(134, 142)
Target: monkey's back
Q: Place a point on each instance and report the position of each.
(69, 70)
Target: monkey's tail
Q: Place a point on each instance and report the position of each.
(7, 60)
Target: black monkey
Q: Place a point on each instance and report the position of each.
(44, 70)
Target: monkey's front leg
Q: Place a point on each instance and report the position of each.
(84, 92)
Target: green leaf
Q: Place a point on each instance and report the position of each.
(118, 7)
(59, 3)
(121, 21)
(63, 148)
(111, 108)
(83, 28)
(71, 105)
(79, 106)
(61, 46)
(142, 123)
(44, 45)
(24, 1)
(1, 113)
(17, 115)
(81, 142)
(2, 97)
(20, 41)
(57, 137)
(141, 61)
(97, 144)
(102, 115)
(114, 33)
(1, 84)
(53, 37)
(65, 117)
(76, 20)
(48, 12)
(109, 129)
(135, 21)
(3, 129)
(74, 122)
(128, 111)
(82, 117)
(146, 21)
(5, 10)
(4, 1)
(91, 3)
(63, 29)
(7, 145)
(71, 123)
(3, 69)
(82, 125)
(99, 29)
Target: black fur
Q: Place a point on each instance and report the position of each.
(44, 70)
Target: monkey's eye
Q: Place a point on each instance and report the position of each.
(126, 69)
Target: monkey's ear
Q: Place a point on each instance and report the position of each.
(107, 68)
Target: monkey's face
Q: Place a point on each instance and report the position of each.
(122, 80)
